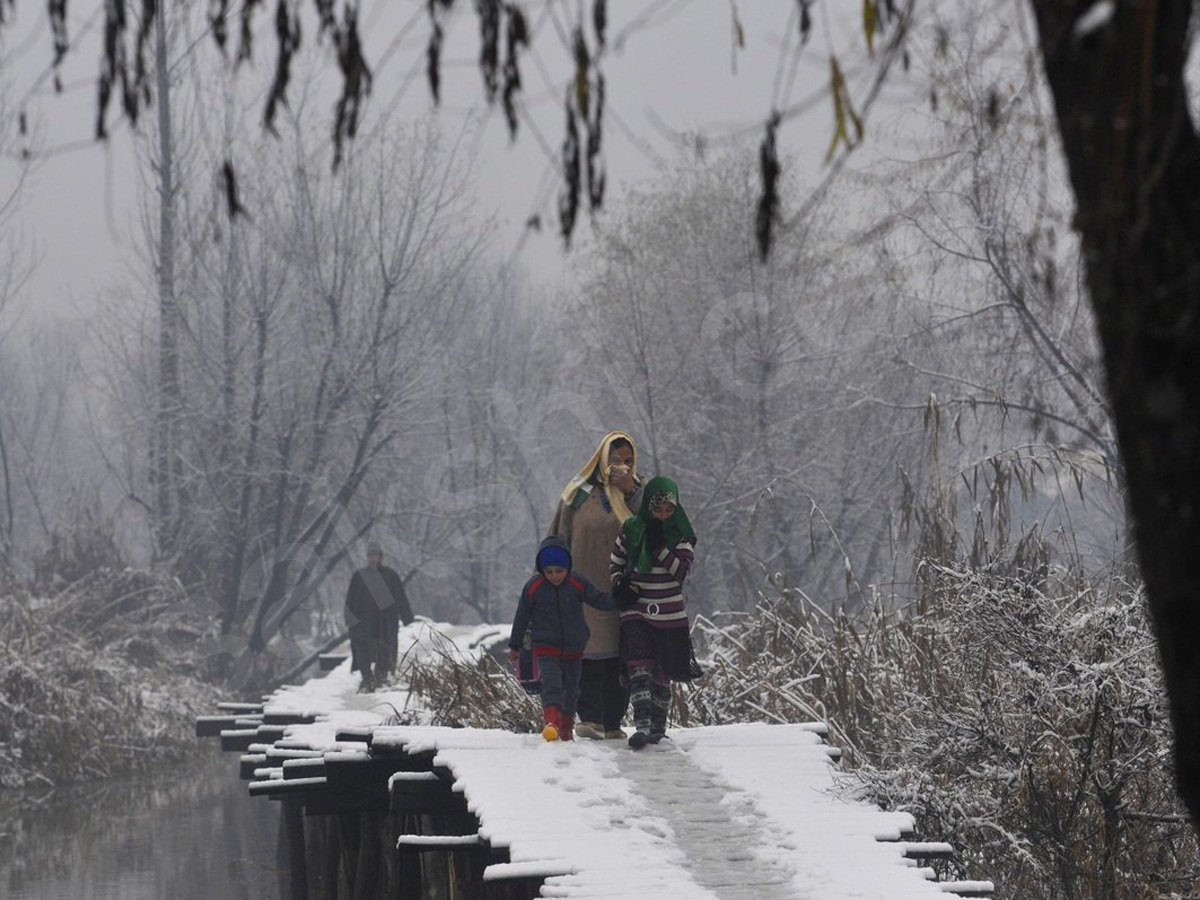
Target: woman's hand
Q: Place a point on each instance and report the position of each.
(655, 538)
(621, 477)
(513, 653)
(623, 593)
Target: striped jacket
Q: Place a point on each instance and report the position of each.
(660, 591)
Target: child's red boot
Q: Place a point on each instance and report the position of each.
(553, 718)
(567, 731)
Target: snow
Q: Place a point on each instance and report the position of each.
(718, 813)
(412, 778)
(1097, 16)
(437, 840)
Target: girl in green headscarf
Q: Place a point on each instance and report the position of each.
(659, 514)
(650, 561)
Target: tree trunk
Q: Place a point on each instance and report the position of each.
(167, 463)
(6, 530)
(279, 600)
(236, 554)
(1134, 163)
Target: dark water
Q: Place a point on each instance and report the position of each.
(183, 833)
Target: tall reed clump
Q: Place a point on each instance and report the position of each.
(89, 685)
(1017, 711)
(447, 689)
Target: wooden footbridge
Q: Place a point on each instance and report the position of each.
(742, 811)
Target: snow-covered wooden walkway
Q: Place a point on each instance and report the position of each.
(728, 812)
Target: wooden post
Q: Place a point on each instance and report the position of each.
(292, 815)
(366, 881)
(349, 824)
(316, 839)
(392, 830)
(409, 864)
(281, 858)
(332, 857)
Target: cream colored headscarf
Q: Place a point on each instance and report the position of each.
(598, 466)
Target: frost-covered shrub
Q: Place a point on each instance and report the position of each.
(74, 552)
(85, 690)
(446, 689)
(1018, 716)
(473, 695)
(1038, 737)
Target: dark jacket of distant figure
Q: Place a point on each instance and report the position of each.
(376, 604)
(554, 615)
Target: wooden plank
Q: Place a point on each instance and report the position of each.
(303, 768)
(354, 735)
(212, 726)
(280, 787)
(288, 717)
(447, 802)
(967, 888)
(389, 748)
(249, 763)
(904, 834)
(425, 843)
(277, 753)
(244, 709)
(238, 740)
(271, 733)
(928, 850)
(363, 778)
(517, 881)
(330, 661)
(417, 783)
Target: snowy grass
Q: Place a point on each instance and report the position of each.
(477, 691)
(1016, 713)
(85, 689)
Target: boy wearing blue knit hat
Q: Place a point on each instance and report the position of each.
(551, 611)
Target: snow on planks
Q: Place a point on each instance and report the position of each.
(750, 810)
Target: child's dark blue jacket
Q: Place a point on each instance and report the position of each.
(554, 615)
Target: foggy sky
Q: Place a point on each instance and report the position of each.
(670, 68)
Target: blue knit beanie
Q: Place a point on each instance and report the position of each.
(553, 556)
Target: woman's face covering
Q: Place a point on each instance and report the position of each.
(621, 456)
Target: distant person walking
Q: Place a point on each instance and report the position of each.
(588, 518)
(376, 604)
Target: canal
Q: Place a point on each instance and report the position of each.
(183, 832)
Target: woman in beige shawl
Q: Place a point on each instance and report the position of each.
(589, 517)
